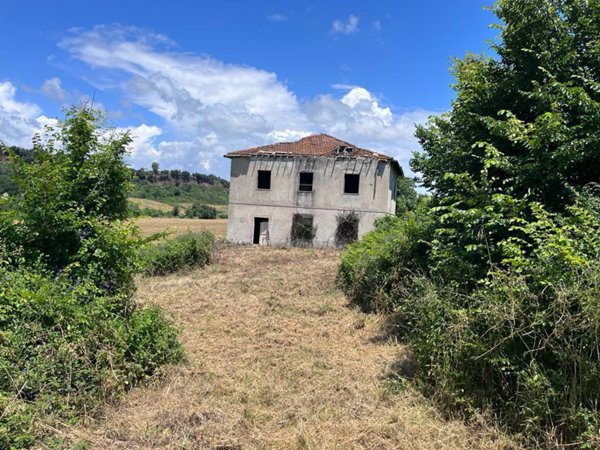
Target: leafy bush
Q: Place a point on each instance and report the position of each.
(504, 314)
(200, 211)
(71, 335)
(524, 343)
(66, 348)
(391, 254)
(521, 343)
(182, 252)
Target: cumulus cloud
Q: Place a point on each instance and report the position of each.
(348, 26)
(19, 121)
(206, 107)
(277, 18)
(53, 88)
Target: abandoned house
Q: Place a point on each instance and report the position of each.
(318, 191)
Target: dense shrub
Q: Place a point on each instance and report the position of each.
(504, 315)
(523, 343)
(65, 348)
(200, 211)
(71, 335)
(182, 252)
(393, 253)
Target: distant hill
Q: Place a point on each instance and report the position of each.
(179, 187)
(168, 187)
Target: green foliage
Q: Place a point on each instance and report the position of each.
(187, 251)
(303, 231)
(71, 202)
(500, 299)
(199, 188)
(406, 195)
(523, 128)
(200, 211)
(134, 210)
(524, 343)
(391, 254)
(6, 184)
(71, 335)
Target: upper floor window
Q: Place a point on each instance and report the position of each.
(264, 179)
(306, 182)
(351, 182)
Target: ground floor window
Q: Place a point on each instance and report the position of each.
(303, 230)
(347, 228)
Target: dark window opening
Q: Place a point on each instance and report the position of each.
(264, 179)
(347, 228)
(351, 182)
(306, 182)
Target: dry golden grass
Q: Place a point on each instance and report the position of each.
(151, 204)
(151, 225)
(277, 359)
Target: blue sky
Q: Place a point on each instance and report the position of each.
(195, 79)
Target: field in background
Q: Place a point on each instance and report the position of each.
(276, 359)
(151, 204)
(151, 225)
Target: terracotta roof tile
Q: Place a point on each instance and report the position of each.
(315, 145)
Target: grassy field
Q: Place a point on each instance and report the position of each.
(276, 359)
(151, 204)
(150, 225)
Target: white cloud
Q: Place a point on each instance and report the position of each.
(359, 118)
(52, 88)
(347, 26)
(19, 121)
(277, 18)
(206, 108)
(377, 25)
(144, 142)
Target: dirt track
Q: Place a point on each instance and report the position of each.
(276, 359)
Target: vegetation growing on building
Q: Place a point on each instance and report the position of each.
(303, 231)
(346, 231)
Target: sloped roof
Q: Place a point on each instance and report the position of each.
(315, 145)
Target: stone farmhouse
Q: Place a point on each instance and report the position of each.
(318, 191)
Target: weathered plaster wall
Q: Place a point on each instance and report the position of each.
(324, 203)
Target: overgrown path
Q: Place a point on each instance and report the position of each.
(276, 359)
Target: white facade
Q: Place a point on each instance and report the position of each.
(265, 215)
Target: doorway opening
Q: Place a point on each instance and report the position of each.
(261, 231)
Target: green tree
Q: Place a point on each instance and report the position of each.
(525, 126)
(72, 334)
(406, 195)
(155, 168)
(72, 200)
